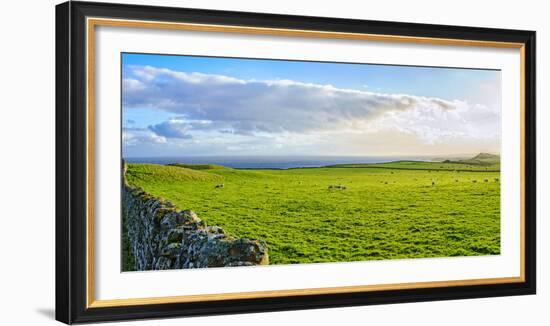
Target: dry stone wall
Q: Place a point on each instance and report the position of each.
(161, 236)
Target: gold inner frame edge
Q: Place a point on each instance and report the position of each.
(92, 22)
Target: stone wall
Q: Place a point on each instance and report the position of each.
(159, 236)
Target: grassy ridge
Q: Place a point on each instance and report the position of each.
(396, 210)
(199, 166)
(152, 173)
(465, 165)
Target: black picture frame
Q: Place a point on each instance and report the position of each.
(71, 158)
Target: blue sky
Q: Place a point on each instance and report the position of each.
(445, 83)
(180, 105)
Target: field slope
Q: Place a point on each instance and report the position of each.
(343, 213)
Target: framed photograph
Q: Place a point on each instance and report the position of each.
(214, 162)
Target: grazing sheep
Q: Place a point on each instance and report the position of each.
(339, 187)
(485, 180)
(474, 181)
(456, 180)
(433, 183)
(496, 179)
(221, 185)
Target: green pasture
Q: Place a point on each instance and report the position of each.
(342, 213)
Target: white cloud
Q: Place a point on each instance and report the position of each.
(137, 136)
(205, 103)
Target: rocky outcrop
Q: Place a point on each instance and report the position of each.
(161, 236)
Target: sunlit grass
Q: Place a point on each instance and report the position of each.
(386, 211)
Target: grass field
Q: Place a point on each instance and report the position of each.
(342, 213)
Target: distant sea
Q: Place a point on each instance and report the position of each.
(272, 162)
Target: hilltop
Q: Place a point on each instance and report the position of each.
(487, 157)
(479, 159)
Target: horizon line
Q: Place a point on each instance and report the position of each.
(335, 156)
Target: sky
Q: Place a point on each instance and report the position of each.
(208, 106)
